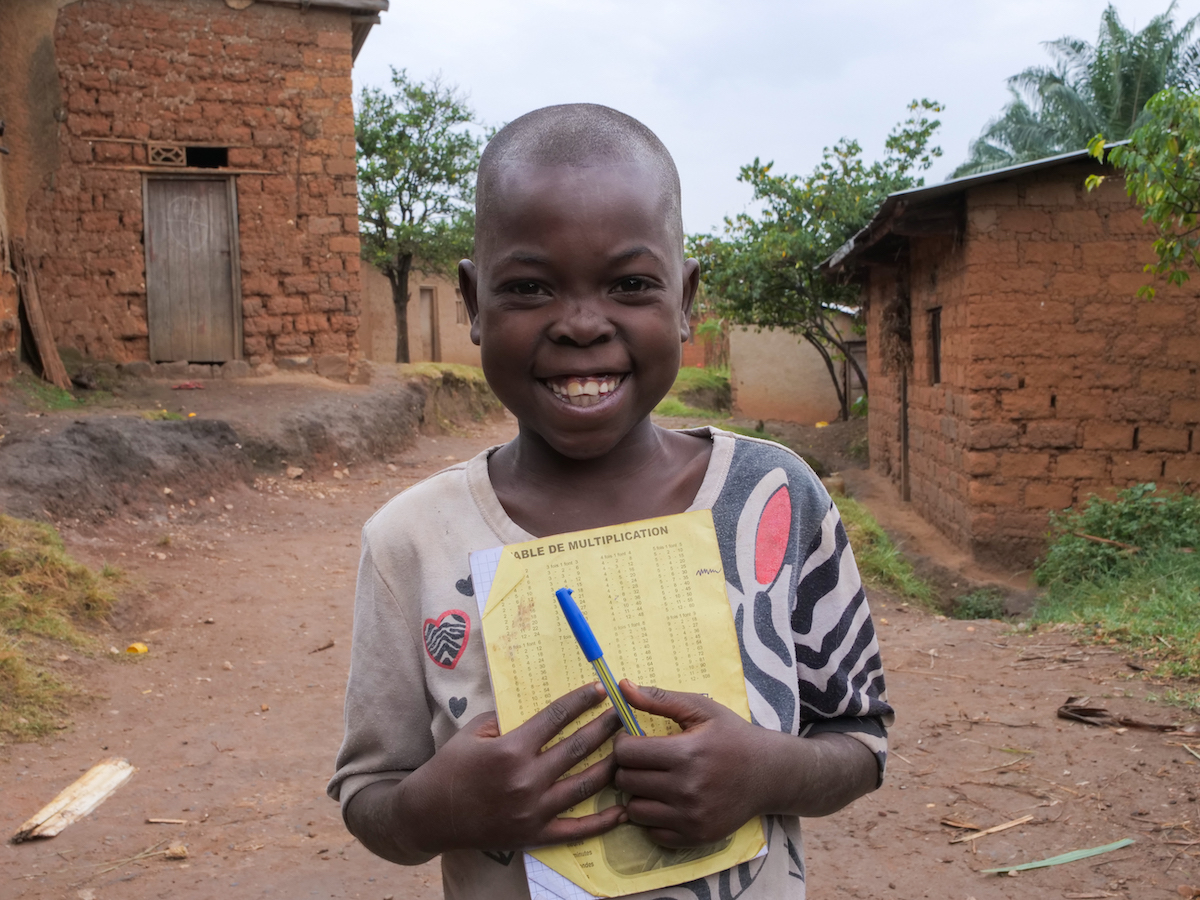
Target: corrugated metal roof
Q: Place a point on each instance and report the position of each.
(944, 189)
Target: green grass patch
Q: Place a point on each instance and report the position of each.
(1174, 697)
(42, 395)
(671, 406)
(472, 375)
(697, 394)
(691, 378)
(879, 562)
(46, 598)
(1127, 571)
(985, 603)
(1153, 610)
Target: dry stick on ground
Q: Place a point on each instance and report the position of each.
(1111, 543)
(145, 854)
(958, 823)
(1186, 747)
(995, 828)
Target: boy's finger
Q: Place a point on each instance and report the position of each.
(689, 710)
(662, 753)
(653, 814)
(581, 743)
(653, 784)
(578, 787)
(565, 830)
(560, 713)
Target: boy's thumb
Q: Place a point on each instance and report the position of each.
(687, 709)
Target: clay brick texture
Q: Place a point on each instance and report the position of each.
(9, 327)
(271, 84)
(1056, 381)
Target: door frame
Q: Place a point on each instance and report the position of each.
(235, 249)
(435, 321)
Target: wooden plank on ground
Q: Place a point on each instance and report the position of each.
(52, 365)
(76, 800)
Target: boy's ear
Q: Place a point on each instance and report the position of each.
(468, 281)
(691, 284)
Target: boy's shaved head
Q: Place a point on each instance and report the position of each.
(575, 135)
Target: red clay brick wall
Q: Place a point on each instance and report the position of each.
(1077, 387)
(1058, 382)
(937, 413)
(883, 420)
(270, 82)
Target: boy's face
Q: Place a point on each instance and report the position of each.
(579, 301)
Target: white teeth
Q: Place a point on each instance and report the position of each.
(584, 391)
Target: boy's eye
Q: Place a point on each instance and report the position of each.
(632, 284)
(525, 288)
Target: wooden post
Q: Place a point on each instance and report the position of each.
(53, 369)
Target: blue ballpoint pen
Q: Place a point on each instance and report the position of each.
(591, 649)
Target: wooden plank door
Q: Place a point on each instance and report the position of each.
(193, 296)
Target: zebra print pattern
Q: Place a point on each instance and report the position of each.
(809, 653)
(446, 637)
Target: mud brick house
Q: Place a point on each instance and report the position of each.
(181, 177)
(1013, 370)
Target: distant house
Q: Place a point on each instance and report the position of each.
(778, 375)
(1013, 371)
(181, 177)
(438, 327)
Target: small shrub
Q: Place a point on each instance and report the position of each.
(1148, 599)
(858, 408)
(1139, 517)
(985, 603)
(860, 450)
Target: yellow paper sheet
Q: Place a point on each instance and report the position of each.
(654, 594)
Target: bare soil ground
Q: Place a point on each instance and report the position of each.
(234, 716)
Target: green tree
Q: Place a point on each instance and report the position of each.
(417, 159)
(1089, 89)
(1161, 165)
(763, 270)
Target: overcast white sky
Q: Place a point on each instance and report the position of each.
(724, 82)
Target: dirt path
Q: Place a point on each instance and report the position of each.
(234, 716)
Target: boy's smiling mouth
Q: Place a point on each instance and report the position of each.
(583, 390)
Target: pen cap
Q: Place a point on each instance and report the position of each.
(579, 626)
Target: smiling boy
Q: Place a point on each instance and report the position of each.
(579, 298)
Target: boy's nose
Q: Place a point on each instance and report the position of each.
(580, 323)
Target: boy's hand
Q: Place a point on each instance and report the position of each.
(487, 791)
(693, 788)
